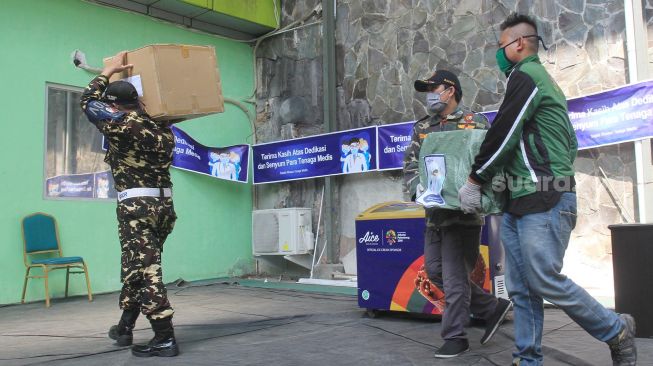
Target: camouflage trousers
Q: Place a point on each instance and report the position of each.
(143, 226)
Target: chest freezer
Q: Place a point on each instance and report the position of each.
(390, 260)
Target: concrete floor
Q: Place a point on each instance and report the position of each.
(256, 323)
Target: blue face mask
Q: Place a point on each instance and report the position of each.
(435, 105)
(354, 151)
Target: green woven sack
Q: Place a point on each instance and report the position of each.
(449, 156)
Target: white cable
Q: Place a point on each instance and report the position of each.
(292, 26)
(325, 242)
(317, 232)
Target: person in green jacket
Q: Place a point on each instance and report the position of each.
(533, 141)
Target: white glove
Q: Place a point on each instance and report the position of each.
(470, 197)
(419, 190)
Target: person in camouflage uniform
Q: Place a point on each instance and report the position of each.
(452, 238)
(140, 155)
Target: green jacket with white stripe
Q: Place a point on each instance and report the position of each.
(531, 137)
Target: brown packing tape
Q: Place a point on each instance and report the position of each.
(184, 52)
(195, 103)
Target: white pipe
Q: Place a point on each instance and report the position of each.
(641, 195)
(326, 242)
(631, 53)
(317, 233)
(633, 76)
(324, 247)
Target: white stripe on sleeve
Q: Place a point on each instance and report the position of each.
(512, 130)
(528, 164)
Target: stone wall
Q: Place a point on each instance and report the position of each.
(384, 45)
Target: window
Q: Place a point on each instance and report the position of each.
(74, 157)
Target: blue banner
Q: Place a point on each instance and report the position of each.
(610, 117)
(393, 141)
(88, 185)
(229, 163)
(614, 116)
(490, 115)
(344, 152)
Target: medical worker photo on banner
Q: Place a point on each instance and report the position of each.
(224, 164)
(355, 153)
(53, 187)
(104, 186)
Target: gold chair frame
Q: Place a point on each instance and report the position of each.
(47, 268)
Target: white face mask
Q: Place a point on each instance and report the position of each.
(434, 105)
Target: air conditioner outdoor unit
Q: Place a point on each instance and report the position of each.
(284, 231)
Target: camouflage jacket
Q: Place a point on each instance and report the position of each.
(140, 149)
(456, 121)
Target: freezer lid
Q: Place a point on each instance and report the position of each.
(393, 210)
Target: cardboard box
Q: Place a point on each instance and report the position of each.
(175, 82)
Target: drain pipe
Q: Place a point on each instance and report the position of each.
(329, 109)
(636, 46)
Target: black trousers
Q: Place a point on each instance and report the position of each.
(450, 254)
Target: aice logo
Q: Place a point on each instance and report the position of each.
(368, 238)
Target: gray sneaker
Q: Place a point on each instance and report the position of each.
(622, 347)
(502, 309)
(452, 348)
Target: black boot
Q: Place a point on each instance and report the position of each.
(163, 344)
(122, 332)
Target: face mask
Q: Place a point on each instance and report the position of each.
(505, 65)
(434, 105)
(354, 151)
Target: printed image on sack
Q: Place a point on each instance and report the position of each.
(436, 171)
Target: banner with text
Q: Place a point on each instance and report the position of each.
(393, 141)
(614, 116)
(87, 185)
(229, 163)
(344, 152)
(610, 117)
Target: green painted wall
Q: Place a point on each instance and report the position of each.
(256, 11)
(212, 237)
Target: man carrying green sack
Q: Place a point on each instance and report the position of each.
(452, 237)
(534, 142)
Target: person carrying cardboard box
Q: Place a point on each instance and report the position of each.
(140, 155)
